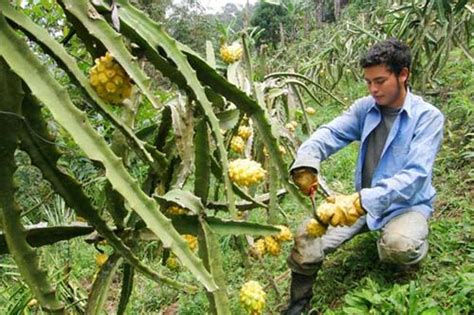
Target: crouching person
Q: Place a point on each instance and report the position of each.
(400, 135)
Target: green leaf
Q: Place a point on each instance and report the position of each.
(275, 2)
(460, 5)
(127, 288)
(432, 311)
(232, 227)
(183, 127)
(253, 203)
(210, 56)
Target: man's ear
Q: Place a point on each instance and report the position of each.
(403, 76)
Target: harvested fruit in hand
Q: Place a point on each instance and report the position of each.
(314, 229)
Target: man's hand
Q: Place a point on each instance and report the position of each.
(341, 210)
(306, 180)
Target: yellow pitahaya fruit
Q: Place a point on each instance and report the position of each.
(252, 297)
(109, 80)
(232, 53)
(246, 172)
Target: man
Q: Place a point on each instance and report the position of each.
(399, 136)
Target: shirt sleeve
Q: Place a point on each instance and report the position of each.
(407, 182)
(330, 138)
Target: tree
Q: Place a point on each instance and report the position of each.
(271, 18)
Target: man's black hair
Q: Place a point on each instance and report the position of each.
(391, 52)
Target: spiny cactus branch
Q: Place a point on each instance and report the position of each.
(36, 75)
(24, 255)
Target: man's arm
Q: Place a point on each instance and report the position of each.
(330, 138)
(405, 184)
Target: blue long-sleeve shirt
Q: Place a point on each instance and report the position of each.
(402, 179)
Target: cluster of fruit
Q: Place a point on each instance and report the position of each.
(231, 53)
(291, 126)
(272, 244)
(176, 210)
(246, 172)
(252, 297)
(237, 144)
(109, 80)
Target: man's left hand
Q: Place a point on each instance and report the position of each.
(340, 210)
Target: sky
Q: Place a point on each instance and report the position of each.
(215, 5)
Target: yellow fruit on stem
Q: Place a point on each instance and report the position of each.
(252, 297)
(282, 149)
(291, 127)
(272, 246)
(109, 80)
(237, 144)
(240, 215)
(232, 53)
(101, 259)
(244, 132)
(172, 263)
(191, 240)
(310, 111)
(176, 210)
(259, 248)
(285, 234)
(246, 172)
(32, 303)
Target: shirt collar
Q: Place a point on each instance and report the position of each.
(407, 104)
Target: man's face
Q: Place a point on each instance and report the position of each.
(385, 87)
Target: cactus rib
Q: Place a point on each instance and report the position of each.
(15, 235)
(209, 250)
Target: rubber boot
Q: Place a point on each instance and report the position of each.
(301, 292)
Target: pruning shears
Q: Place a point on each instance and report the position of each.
(324, 190)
